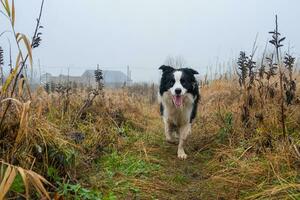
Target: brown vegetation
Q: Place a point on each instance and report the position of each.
(106, 144)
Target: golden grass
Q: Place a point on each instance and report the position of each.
(9, 173)
(261, 166)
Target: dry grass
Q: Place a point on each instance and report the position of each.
(9, 173)
(259, 166)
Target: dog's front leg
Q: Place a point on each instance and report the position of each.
(168, 131)
(184, 131)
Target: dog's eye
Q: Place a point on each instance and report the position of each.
(172, 81)
(182, 81)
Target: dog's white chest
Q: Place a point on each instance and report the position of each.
(177, 116)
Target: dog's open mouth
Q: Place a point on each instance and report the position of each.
(177, 100)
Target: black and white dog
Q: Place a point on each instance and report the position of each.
(178, 97)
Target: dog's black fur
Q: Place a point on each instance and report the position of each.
(188, 81)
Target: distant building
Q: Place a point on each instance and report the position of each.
(110, 78)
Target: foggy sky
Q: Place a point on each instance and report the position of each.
(79, 34)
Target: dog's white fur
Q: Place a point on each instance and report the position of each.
(177, 120)
(177, 85)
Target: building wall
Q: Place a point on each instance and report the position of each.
(112, 79)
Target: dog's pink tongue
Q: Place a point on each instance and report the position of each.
(177, 100)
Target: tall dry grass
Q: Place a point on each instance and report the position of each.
(253, 162)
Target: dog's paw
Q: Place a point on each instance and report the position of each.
(181, 155)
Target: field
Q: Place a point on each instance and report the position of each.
(116, 149)
(61, 141)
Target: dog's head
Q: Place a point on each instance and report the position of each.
(178, 82)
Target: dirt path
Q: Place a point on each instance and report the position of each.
(146, 167)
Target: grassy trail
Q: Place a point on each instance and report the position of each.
(146, 167)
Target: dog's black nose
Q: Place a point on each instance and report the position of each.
(178, 91)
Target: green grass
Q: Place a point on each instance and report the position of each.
(77, 192)
(126, 164)
(18, 185)
(180, 179)
(117, 172)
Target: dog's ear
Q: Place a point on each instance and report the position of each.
(191, 71)
(166, 68)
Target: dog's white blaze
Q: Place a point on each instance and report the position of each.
(177, 85)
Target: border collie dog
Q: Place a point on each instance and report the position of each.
(178, 98)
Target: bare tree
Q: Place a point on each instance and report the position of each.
(176, 62)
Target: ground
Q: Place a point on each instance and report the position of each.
(147, 167)
(222, 162)
(116, 149)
